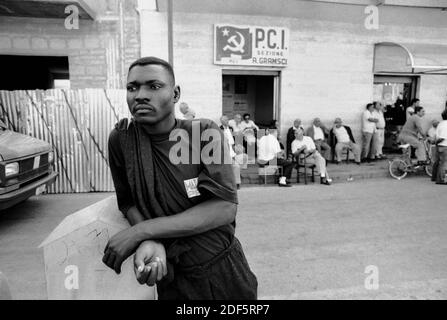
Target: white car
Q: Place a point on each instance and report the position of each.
(26, 167)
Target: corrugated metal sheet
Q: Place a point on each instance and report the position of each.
(76, 123)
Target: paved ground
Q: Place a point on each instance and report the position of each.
(299, 247)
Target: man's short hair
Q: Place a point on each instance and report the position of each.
(414, 100)
(369, 105)
(417, 109)
(444, 115)
(154, 60)
(245, 114)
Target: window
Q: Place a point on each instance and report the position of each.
(34, 72)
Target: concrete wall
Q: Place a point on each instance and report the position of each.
(92, 50)
(330, 62)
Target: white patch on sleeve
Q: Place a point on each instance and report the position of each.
(191, 187)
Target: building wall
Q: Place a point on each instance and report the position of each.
(93, 49)
(329, 73)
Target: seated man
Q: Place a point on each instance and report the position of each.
(236, 124)
(291, 134)
(411, 131)
(341, 138)
(319, 133)
(269, 152)
(304, 145)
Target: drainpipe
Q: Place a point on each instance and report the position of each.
(121, 39)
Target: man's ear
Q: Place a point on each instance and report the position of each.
(176, 94)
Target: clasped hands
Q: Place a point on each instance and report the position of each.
(149, 259)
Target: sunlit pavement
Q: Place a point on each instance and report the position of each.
(304, 242)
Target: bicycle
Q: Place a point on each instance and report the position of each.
(401, 166)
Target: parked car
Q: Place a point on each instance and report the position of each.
(26, 167)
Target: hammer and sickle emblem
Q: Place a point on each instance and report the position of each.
(237, 46)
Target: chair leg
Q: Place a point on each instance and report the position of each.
(313, 174)
(347, 155)
(298, 175)
(305, 175)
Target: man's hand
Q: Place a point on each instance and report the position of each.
(150, 262)
(119, 248)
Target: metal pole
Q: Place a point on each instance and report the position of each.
(122, 43)
(170, 35)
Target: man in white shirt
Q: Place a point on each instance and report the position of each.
(341, 138)
(319, 133)
(368, 129)
(227, 134)
(379, 134)
(440, 167)
(291, 134)
(270, 153)
(235, 124)
(305, 147)
(431, 133)
(247, 123)
(187, 112)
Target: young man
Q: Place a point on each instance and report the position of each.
(411, 131)
(181, 208)
(305, 145)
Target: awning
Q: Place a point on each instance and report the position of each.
(46, 8)
(390, 57)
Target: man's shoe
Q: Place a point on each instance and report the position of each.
(324, 181)
(358, 163)
(284, 185)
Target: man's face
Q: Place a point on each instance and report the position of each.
(238, 118)
(299, 134)
(317, 122)
(224, 121)
(421, 113)
(297, 123)
(247, 118)
(338, 123)
(151, 93)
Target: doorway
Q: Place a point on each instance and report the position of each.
(396, 94)
(34, 72)
(255, 93)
